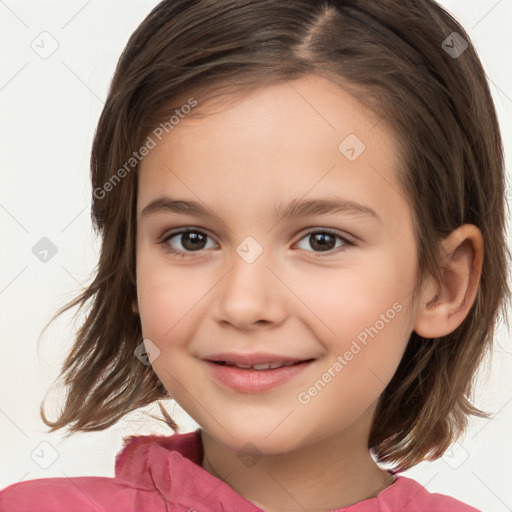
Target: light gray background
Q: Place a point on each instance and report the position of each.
(50, 107)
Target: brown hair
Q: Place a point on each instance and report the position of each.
(390, 55)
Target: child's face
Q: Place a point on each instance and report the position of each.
(351, 305)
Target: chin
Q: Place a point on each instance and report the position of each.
(256, 440)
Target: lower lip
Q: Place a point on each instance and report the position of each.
(254, 381)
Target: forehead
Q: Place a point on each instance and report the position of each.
(278, 140)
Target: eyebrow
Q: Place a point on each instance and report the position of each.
(293, 209)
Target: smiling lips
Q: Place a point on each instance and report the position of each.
(262, 366)
(254, 373)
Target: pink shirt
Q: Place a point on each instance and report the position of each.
(164, 474)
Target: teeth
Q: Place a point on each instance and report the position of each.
(262, 366)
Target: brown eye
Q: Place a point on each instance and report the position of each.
(186, 242)
(322, 241)
(192, 240)
(325, 241)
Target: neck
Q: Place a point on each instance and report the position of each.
(329, 474)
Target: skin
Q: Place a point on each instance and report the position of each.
(276, 144)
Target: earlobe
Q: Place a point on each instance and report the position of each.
(444, 306)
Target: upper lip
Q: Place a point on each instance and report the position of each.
(254, 358)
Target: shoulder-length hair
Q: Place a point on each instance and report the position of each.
(409, 62)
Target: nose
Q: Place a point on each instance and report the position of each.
(251, 294)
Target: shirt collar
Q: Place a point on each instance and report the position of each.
(173, 466)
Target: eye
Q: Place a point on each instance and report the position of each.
(324, 240)
(190, 240)
(321, 240)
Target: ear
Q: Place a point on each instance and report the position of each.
(444, 306)
(135, 306)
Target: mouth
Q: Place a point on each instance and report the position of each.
(261, 366)
(244, 377)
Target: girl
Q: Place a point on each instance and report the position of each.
(259, 131)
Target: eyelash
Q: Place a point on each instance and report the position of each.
(185, 254)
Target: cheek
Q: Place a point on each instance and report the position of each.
(347, 301)
(370, 336)
(165, 298)
(361, 314)
(163, 310)
(167, 308)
